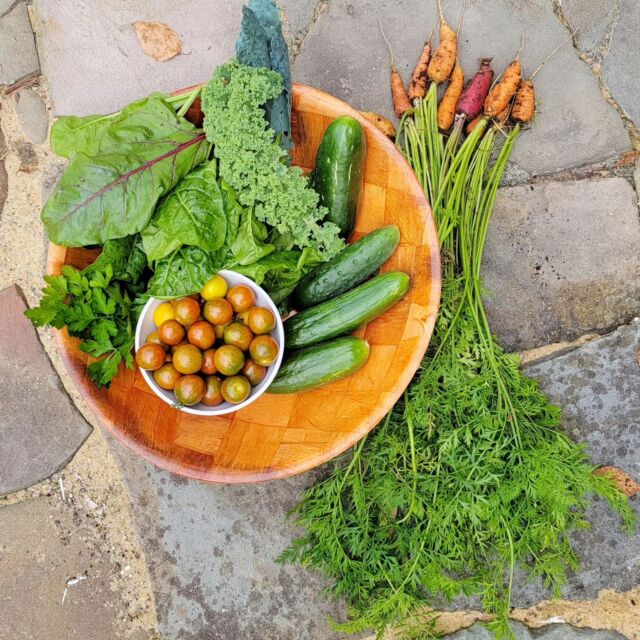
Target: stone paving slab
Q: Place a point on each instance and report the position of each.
(211, 552)
(18, 56)
(561, 260)
(598, 388)
(344, 54)
(620, 66)
(41, 548)
(40, 429)
(550, 632)
(32, 111)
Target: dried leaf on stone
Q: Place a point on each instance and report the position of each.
(624, 482)
(158, 40)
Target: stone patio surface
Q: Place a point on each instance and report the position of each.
(143, 554)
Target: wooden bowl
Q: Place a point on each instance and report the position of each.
(281, 435)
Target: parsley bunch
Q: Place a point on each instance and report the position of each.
(254, 164)
(95, 308)
(469, 476)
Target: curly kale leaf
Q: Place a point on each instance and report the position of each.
(253, 163)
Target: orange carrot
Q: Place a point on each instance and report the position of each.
(524, 105)
(418, 84)
(447, 106)
(398, 94)
(444, 59)
(501, 94)
(380, 122)
(471, 125)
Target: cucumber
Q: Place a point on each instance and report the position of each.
(337, 176)
(319, 365)
(347, 312)
(349, 268)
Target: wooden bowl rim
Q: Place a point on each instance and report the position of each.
(56, 258)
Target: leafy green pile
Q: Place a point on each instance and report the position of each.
(254, 164)
(469, 475)
(97, 308)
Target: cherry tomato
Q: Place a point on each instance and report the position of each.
(219, 329)
(187, 359)
(177, 346)
(254, 372)
(201, 334)
(218, 311)
(243, 316)
(235, 389)
(239, 335)
(264, 350)
(261, 320)
(154, 337)
(212, 394)
(228, 360)
(163, 313)
(208, 363)
(169, 356)
(216, 287)
(189, 389)
(171, 332)
(241, 298)
(167, 376)
(187, 311)
(150, 356)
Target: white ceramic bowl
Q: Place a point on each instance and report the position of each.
(147, 326)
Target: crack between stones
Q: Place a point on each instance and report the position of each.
(10, 8)
(594, 62)
(296, 40)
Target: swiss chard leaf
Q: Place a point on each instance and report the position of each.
(182, 273)
(88, 134)
(157, 243)
(249, 245)
(113, 193)
(262, 44)
(193, 213)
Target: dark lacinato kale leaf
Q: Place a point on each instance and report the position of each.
(262, 44)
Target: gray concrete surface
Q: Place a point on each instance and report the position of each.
(550, 632)
(211, 551)
(18, 56)
(41, 550)
(32, 111)
(619, 68)
(344, 53)
(561, 260)
(40, 429)
(592, 20)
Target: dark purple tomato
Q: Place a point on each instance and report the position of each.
(167, 376)
(150, 356)
(235, 389)
(254, 372)
(241, 298)
(201, 334)
(187, 359)
(171, 332)
(218, 311)
(212, 392)
(187, 311)
(261, 320)
(208, 362)
(154, 337)
(189, 389)
(239, 335)
(264, 350)
(228, 360)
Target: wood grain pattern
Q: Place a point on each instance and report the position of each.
(281, 435)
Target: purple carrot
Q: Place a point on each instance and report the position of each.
(471, 101)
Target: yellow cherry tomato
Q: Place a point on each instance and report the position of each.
(163, 313)
(216, 287)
